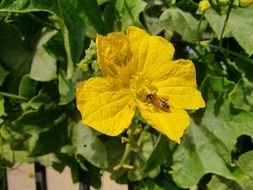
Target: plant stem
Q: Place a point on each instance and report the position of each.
(221, 49)
(14, 96)
(226, 21)
(199, 25)
(128, 149)
(142, 135)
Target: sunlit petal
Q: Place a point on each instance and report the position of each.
(148, 52)
(104, 105)
(176, 81)
(113, 52)
(171, 123)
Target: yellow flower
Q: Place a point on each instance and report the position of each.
(203, 5)
(245, 3)
(135, 66)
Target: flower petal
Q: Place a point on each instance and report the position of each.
(179, 68)
(176, 81)
(113, 52)
(172, 123)
(104, 105)
(148, 52)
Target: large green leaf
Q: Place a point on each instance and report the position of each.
(245, 162)
(238, 24)
(27, 87)
(15, 56)
(63, 14)
(90, 12)
(241, 96)
(43, 66)
(42, 122)
(119, 14)
(67, 88)
(183, 23)
(87, 146)
(151, 15)
(207, 146)
(221, 183)
(36, 131)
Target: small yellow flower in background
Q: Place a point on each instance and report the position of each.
(203, 5)
(30, 173)
(245, 3)
(138, 71)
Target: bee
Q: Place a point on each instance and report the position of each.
(158, 102)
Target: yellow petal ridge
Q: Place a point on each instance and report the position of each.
(148, 52)
(113, 52)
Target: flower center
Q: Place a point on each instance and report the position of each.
(141, 86)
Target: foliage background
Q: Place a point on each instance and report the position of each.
(41, 43)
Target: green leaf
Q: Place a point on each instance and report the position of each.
(47, 95)
(161, 149)
(151, 16)
(56, 128)
(241, 96)
(115, 150)
(27, 87)
(37, 129)
(2, 112)
(90, 13)
(3, 74)
(183, 23)
(120, 14)
(15, 56)
(67, 88)
(241, 27)
(148, 184)
(18, 156)
(95, 176)
(160, 183)
(43, 65)
(245, 162)
(112, 22)
(70, 161)
(88, 146)
(100, 2)
(55, 47)
(63, 13)
(207, 145)
(238, 24)
(216, 22)
(221, 183)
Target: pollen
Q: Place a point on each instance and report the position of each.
(141, 86)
